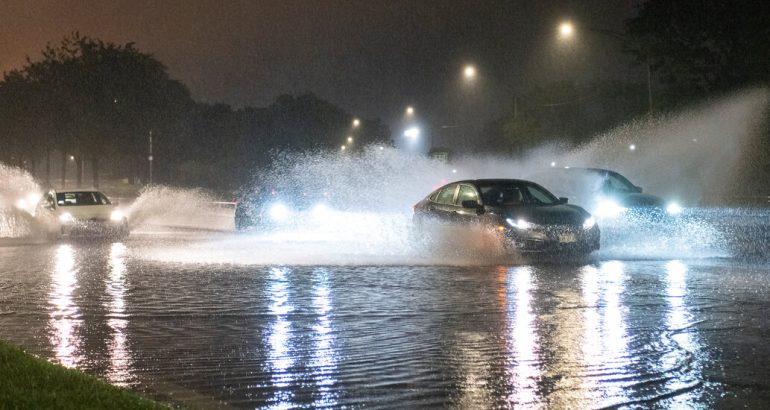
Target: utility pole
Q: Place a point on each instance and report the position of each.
(150, 157)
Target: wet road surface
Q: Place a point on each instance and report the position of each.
(600, 333)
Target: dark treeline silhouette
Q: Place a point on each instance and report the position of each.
(95, 104)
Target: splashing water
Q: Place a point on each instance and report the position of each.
(19, 194)
(159, 205)
(694, 155)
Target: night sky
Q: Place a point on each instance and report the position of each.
(371, 58)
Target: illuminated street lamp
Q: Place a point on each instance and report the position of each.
(356, 122)
(350, 140)
(469, 72)
(342, 148)
(632, 147)
(566, 30)
(410, 110)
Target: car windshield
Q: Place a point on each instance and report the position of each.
(502, 193)
(81, 198)
(617, 182)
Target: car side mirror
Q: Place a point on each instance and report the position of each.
(563, 200)
(469, 203)
(473, 204)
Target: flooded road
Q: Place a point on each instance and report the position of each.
(598, 333)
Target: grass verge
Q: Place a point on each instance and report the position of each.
(29, 382)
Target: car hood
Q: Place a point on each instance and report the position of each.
(548, 214)
(87, 211)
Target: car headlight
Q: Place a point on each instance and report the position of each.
(66, 217)
(320, 211)
(589, 223)
(608, 208)
(520, 224)
(278, 212)
(673, 208)
(116, 216)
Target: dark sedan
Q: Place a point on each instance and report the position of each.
(528, 216)
(606, 194)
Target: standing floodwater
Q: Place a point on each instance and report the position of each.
(657, 332)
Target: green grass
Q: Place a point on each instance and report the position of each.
(28, 382)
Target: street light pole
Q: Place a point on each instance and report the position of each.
(150, 157)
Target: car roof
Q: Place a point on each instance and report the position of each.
(76, 190)
(492, 180)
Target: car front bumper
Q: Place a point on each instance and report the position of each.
(94, 227)
(557, 239)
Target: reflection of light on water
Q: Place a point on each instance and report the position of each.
(592, 337)
(678, 319)
(324, 360)
(280, 356)
(676, 290)
(65, 313)
(120, 358)
(524, 341)
(614, 326)
(605, 347)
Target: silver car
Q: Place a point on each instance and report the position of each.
(81, 212)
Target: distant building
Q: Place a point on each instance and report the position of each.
(440, 153)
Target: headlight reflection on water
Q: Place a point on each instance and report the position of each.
(116, 289)
(678, 321)
(324, 357)
(604, 329)
(65, 316)
(285, 355)
(524, 341)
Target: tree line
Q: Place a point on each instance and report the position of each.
(96, 103)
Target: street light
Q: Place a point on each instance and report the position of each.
(356, 122)
(410, 110)
(469, 72)
(350, 140)
(566, 30)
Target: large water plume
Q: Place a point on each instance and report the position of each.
(19, 193)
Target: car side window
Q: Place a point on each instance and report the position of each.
(447, 194)
(467, 193)
(102, 199)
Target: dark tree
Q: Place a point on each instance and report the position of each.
(95, 101)
(699, 47)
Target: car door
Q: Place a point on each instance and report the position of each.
(466, 192)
